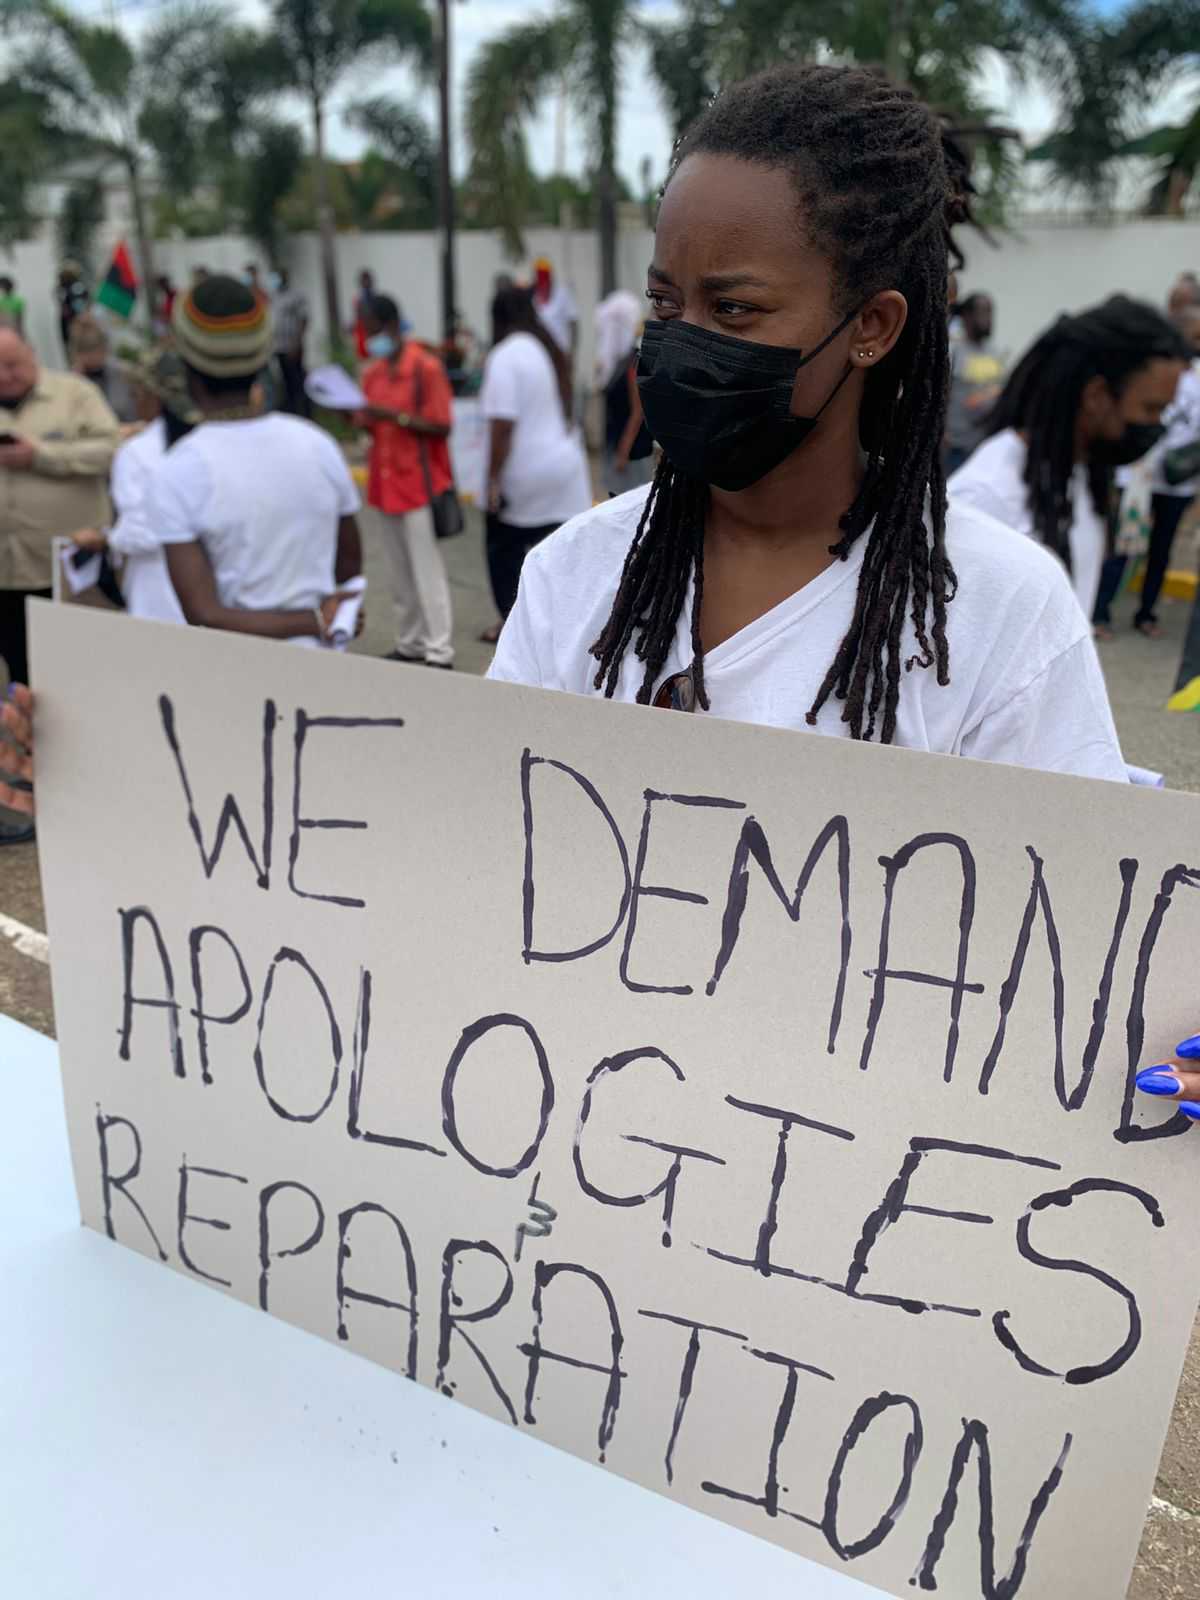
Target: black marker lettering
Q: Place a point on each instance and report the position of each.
(975, 1438)
(294, 958)
(867, 1413)
(769, 1498)
(265, 1254)
(165, 1002)
(345, 1293)
(895, 1203)
(362, 1040)
(1127, 1131)
(470, 1036)
(642, 891)
(957, 985)
(528, 762)
(451, 1322)
(679, 1152)
(543, 1276)
(184, 1216)
(1067, 1197)
(230, 812)
(752, 844)
(202, 1017)
(687, 1373)
(761, 1261)
(120, 1182)
(301, 824)
(1039, 901)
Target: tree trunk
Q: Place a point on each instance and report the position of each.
(333, 310)
(145, 245)
(606, 189)
(446, 179)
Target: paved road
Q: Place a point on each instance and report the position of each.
(1140, 676)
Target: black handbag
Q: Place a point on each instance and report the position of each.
(446, 507)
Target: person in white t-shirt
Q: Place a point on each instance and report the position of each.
(792, 557)
(257, 513)
(169, 415)
(556, 307)
(1168, 503)
(537, 472)
(1086, 398)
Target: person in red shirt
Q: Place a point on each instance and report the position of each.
(408, 414)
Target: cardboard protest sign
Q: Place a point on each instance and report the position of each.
(751, 1112)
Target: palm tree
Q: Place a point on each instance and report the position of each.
(1106, 73)
(404, 138)
(580, 48)
(1178, 152)
(322, 40)
(29, 151)
(101, 93)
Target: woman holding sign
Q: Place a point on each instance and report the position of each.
(793, 563)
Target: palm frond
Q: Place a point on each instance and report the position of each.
(506, 83)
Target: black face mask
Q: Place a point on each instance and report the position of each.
(1138, 440)
(721, 407)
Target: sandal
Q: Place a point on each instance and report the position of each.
(491, 635)
(1102, 631)
(1149, 629)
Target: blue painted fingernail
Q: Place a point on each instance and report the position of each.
(1190, 1108)
(1190, 1048)
(1157, 1080)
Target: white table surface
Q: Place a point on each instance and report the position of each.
(160, 1440)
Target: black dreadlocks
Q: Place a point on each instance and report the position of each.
(879, 183)
(1044, 392)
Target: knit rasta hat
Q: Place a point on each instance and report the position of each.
(222, 328)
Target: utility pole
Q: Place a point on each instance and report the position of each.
(445, 177)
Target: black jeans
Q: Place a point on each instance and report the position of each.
(293, 400)
(507, 547)
(13, 648)
(1166, 514)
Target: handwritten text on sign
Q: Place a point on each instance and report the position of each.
(748, 1111)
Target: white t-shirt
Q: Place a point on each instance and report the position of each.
(993, 480)
(145, 581)
(264, 498)
(558, 313)
(546, 479)
(1025, 683)
(1182, 419)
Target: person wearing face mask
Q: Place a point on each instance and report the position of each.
(408, 414)
(1088, 397)
(794, 553)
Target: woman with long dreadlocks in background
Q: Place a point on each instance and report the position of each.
(1087, 398)
(792, 562)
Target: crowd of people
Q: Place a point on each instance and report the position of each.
(795, 558)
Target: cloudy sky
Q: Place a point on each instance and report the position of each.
(643, 128)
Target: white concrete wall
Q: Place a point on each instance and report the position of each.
(1037, 271)
(1042, 270)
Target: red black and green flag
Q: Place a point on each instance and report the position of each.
(120, 286)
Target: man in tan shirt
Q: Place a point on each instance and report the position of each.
(57, 438)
